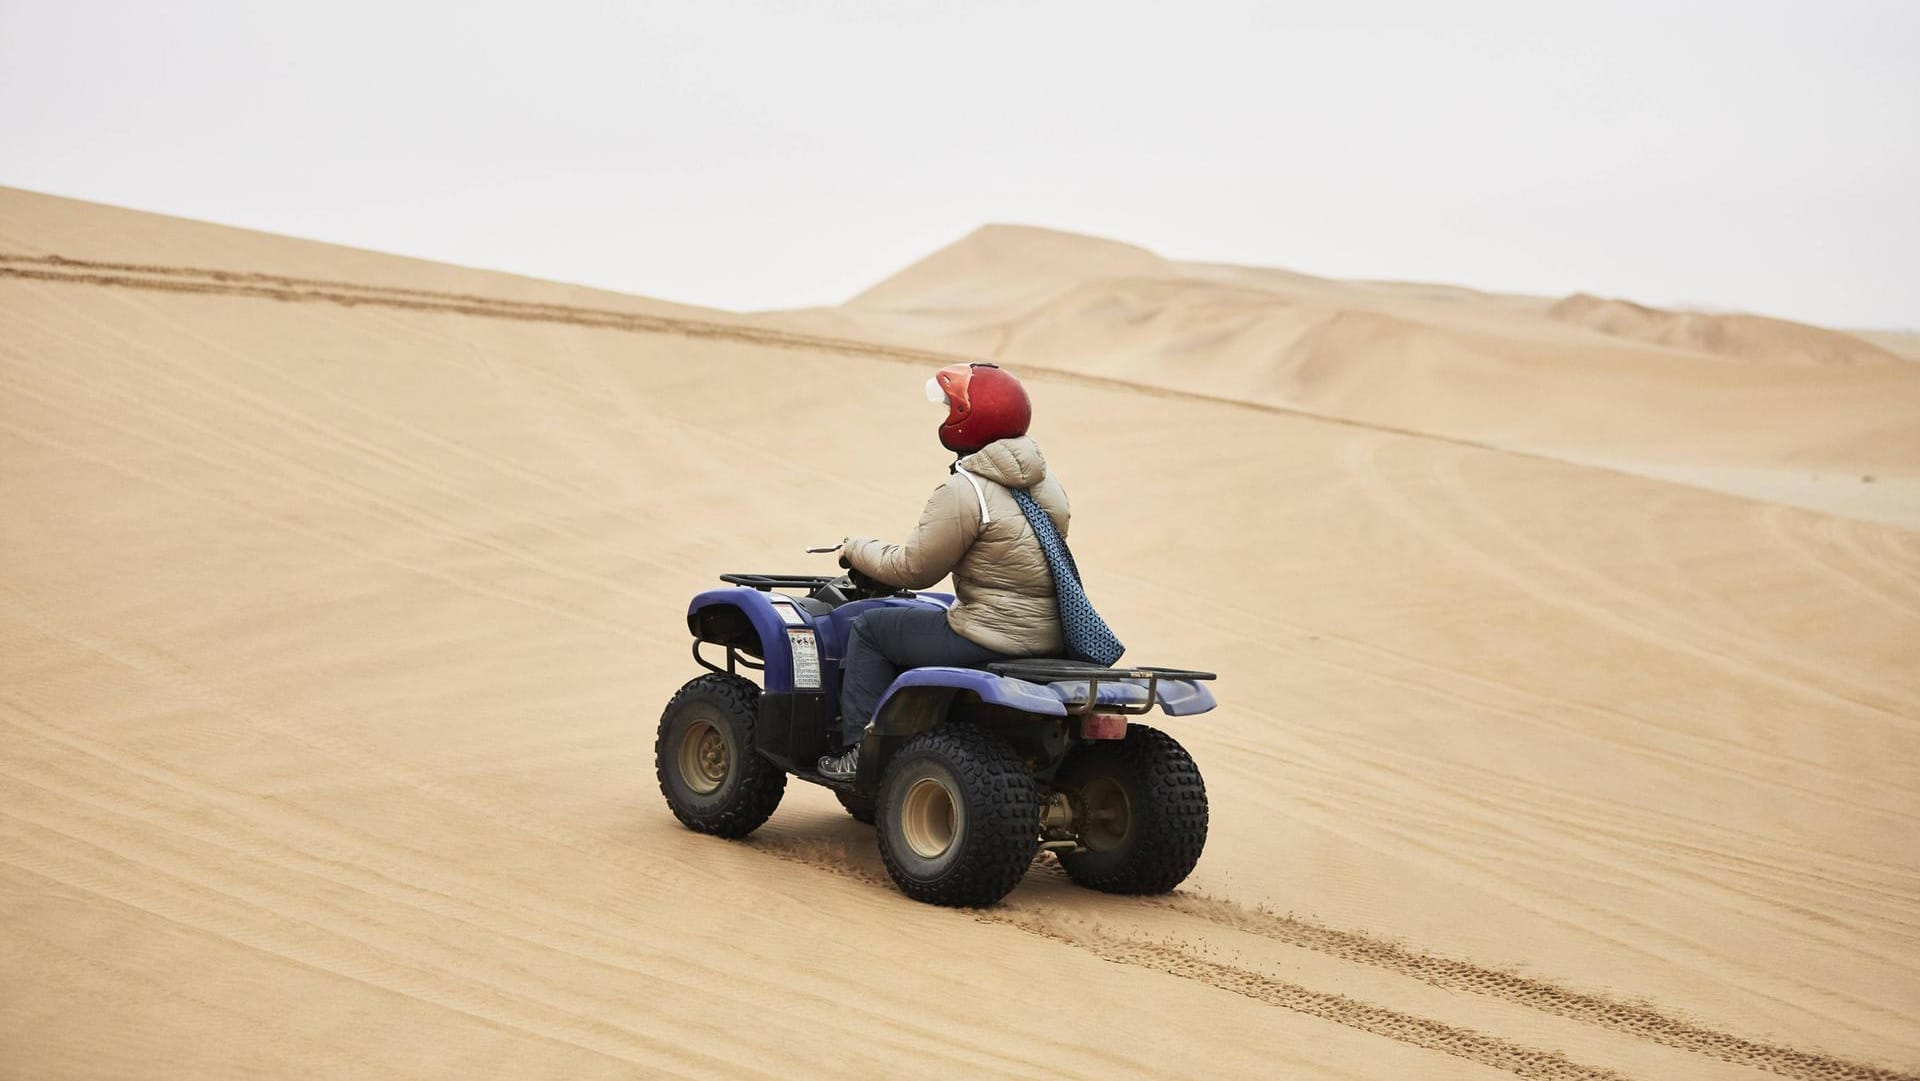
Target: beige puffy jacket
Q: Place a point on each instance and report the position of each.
(1006, 600)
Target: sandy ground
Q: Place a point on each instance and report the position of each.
(336, 615)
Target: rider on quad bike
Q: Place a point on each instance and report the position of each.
(979, 728)
(973, 529)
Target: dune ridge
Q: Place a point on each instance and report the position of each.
(58, 268)
(1766, 408)
(260, 285)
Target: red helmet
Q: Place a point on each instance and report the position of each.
(984, 403)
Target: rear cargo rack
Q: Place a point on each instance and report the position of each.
(1059, 671)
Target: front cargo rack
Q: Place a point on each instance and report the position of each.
(765, 582)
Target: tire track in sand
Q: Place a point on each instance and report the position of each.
(1601, 1011)
(1519, 1059)
(1531, 1063)
(1450, 974)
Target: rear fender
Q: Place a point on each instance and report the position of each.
(922, 697)
(917, 685)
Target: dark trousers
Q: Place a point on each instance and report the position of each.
(887, 641)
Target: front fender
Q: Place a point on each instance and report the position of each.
(749, 619)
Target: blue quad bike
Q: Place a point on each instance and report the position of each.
(965, 773)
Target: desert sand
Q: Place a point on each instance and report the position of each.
(340, 593)
(1781, 411)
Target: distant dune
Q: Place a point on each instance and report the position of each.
(340, 594)
(1801, 419)
(1903, 343)
(1752, 337)
(1000, 269)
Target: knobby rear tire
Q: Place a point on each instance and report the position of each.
(1168, 812)
(998, 818)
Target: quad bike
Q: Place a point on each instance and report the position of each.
(965, 773)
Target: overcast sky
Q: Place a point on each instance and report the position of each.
(1760, 156)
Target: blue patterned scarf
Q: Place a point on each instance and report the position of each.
(1088, 636)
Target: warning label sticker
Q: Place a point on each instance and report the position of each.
(806, 660)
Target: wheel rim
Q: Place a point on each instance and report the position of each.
(930, 817)
(703, 757)
(1109, 814)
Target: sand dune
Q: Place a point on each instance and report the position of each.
(1728, 334)
(1902, 343)
(1801, 419)
(339, 594)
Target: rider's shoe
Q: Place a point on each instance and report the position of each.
(842, 766)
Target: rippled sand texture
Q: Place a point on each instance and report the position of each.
(339, 595)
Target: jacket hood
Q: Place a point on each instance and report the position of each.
(1015, 463)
